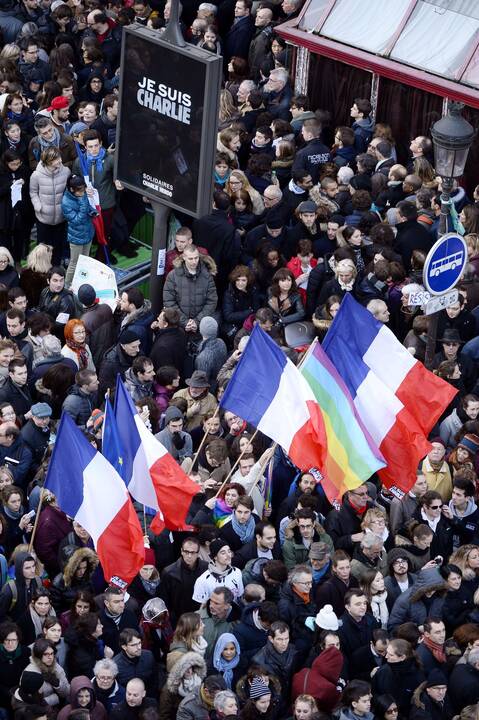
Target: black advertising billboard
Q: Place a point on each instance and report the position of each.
(167, 123)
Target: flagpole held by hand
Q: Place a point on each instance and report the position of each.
(236, 464)
(203, 439)
(39, 508)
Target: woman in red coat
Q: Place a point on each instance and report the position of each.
(321, 679)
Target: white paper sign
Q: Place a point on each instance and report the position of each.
(99, 276)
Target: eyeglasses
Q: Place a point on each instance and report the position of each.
(435, 507)
(304, 582)
(189, 552)
(104, 678)
(48, 653)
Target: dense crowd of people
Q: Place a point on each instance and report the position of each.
(272, 604)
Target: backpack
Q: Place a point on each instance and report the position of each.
(13, 587)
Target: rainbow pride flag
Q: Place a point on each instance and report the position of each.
(351, 456)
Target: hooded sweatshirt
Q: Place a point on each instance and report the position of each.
(95, 708)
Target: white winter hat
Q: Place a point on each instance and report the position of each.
(327, 619)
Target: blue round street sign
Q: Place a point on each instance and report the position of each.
(445, 264)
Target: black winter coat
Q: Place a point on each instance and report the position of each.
(169, 348)
(100, 330)
(10, 670)
(20, 217)
(36, 439)
(411, 235)
(238, 39)
(218, 236)
(82, 653)
(111, 631)
(19, 397)
(341, 524)
(399, 680)
(432, 710)
(237, 306)
(354, 635)
(294, 611)
(176, 587)
(115, 361)
(79, 405)
(250, 551)
(463, 686)
(332, 592)
(311, 157)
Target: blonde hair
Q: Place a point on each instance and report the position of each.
(345, 266)
(227, 109)
(10, 51)
(373, 514)
(40, 258)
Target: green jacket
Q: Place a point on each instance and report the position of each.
(102, 181)
(294, 552)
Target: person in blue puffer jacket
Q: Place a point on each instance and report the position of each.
(78, 212)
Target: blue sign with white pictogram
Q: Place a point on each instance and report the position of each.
(445, 264)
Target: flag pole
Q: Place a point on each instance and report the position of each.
(144, 521)
(35, 525)
(275, 444)
(203, 439)
(235, 465)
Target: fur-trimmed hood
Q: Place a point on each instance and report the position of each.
(207, 260)
(188, 660)
(78, 556)
(427, 580)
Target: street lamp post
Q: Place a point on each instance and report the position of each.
(452, 138)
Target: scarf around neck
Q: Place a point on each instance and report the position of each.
(226, 667)
(245, 532)
(96, 160)
(436, 649)
(379, 608)
(80, 351)
(55, 142)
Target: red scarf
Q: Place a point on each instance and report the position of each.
(80, 350)
(436, 649)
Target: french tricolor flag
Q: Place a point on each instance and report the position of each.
(152, 475)
(397, 398)
(270, 393)
(89, 490)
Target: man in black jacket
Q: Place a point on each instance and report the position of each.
(56, 301)
(134, 662)
(115, 617)
(314, 154)
(15, 389)
(344, 525)
(178, 580)
(169, 345)
(99, 323)
(333, 591)
(411, 235)
(239, 37)
(118, 359)
(217, 235)
(36, 432)
(357, 625)
(263, 545)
